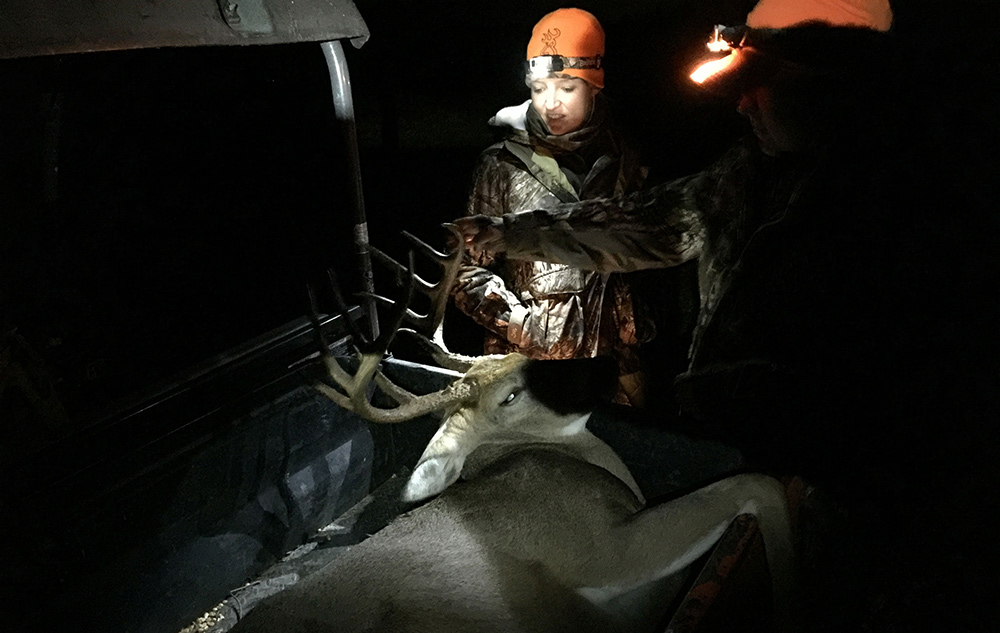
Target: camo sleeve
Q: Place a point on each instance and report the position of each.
(657, 228)
(660, 227)
(535, 308)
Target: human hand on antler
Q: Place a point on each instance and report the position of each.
(481, 233)
(428, 328)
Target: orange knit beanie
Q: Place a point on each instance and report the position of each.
(783, 14)
(570, 33)
(787, 17)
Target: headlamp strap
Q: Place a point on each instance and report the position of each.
(742, 36)
(545, 64)
(726, 37)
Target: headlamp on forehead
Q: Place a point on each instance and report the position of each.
(545, 65)
(724, 39)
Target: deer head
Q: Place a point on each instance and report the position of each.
(511, 399)
(497, 399)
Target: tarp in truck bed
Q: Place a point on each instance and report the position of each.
(51, 27)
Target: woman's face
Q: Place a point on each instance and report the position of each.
(564, 103)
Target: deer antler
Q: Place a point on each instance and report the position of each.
(429, 330)
(355, 386)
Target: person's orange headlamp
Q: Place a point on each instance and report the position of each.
(724, 40)
(545, 65)
(742, 60)
(819, 35)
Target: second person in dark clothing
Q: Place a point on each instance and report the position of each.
(845, 332)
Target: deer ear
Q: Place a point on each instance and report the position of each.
(441, 463)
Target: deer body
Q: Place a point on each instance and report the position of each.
(547, 524)
(454, 564)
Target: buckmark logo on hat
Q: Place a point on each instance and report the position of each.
(549, 42)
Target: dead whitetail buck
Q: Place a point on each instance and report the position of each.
(546, 529)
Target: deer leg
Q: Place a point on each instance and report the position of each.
(664, 539)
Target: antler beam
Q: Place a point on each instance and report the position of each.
(370, 353)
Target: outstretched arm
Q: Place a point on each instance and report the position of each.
(657, 228)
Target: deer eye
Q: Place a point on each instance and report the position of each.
(510, 397)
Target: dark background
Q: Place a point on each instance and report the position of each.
(159, 207)
(162, 206)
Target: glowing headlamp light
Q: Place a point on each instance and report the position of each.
(724, 39)
(545, 65)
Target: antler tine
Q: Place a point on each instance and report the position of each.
(380, 344)
(428, 324)
(431, 326)
(450, 263)
(314, 318)
(411, 316)
(418, 320)
(339, 375)
(400, 270)
(374, 349)
(391, 389)
(355, 386)
(338, 297)
(398, 315)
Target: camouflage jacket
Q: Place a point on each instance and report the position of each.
(711, 216)
(802, 309)
(548, 310)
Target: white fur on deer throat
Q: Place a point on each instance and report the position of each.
(575, 427)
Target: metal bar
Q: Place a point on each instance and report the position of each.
(58, 27)
(343, 103)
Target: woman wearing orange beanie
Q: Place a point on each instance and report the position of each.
(560, 147)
